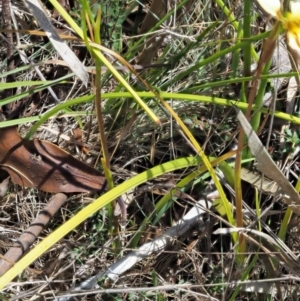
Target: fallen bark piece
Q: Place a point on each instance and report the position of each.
(43, 165)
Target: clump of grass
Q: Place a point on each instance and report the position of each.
(161, 130)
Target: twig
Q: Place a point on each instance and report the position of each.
(30, 235)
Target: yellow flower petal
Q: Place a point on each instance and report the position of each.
(271, 7)
(291, 23)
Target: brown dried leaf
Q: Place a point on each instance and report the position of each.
(45, 166)
(267, 166)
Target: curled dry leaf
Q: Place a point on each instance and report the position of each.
(45, 166)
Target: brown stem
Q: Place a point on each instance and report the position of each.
(31, 234)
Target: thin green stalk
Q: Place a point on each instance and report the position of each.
(287, 217)
(242, 248)
(166, 95)
(245, 276)
(105, 161)
(256, 118)
(233, 80)
(232, 19)
(213, 58)
(236, 55)
(247, 34)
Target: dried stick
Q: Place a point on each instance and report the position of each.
(30, 235)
